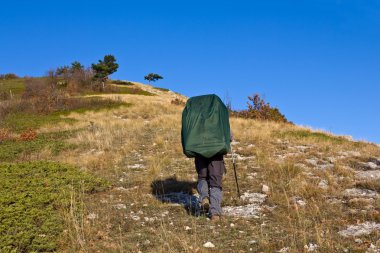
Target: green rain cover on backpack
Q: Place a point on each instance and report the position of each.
(205, 127)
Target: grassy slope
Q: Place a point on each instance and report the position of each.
(17, 86)
(137, 149)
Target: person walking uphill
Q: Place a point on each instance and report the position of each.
(206, 136)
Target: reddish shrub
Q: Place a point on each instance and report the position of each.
(28, 135)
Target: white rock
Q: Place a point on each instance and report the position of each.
(209, 245)
(311, 247)
(253, 197)
(136, 166)
(299, 201)
(265, 189)
(92, 216)
(356, 192)
(323, 184)
(284, 249)
(369, 175)
(312, 161)
(120, 206)
(135, 217)
(252, 242)
(232, 225)
(187, 228)
(365, 228)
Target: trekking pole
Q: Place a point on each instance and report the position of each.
(236, 180)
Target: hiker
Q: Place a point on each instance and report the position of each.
(206, 137)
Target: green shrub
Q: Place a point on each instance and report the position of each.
(161, 89)
(12, 150)
(120, 82)
(24, 114)
(307, 134)
(8, 76)
(32, 195)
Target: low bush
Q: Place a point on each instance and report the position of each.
(178, 101)
(307, 134)
(14, 148)
(28, 135)
(8, 76)
(120, 82)
(260, 110)
(161, 89)
(32, 196)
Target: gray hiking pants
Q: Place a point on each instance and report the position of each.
(210, 174)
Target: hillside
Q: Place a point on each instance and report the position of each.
(132, 189)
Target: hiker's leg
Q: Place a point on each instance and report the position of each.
(216, 197)
(202, 186)
(216, 170)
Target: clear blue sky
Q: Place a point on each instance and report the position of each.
(317, 60)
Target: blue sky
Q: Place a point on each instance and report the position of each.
(317, 60)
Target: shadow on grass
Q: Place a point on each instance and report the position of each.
(177, 193)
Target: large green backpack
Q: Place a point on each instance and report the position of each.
(205, 127)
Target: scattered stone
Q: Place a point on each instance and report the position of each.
(365, 228)
(368, 175)
(120, 206)
(299, 201)
(92, 216)
(247, 211)
(121, 189)
(323, 184)
(243, 158)
(252, 242)
(135, 217)
(147, 219)
(209, 245)
(358, 240)
(311, 247)
(253, 197)
(265, 189)
(285, 249)
(312, 161)
(187, 228)
(136, 166)
(372, 165)
(251, 210)
(325, 166)
(232, 225)
(356, 192)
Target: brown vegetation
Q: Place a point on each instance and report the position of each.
(260, 110)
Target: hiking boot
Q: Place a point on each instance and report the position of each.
(215, 218)
(205, 205)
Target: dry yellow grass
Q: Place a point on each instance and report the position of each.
(140, 145)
